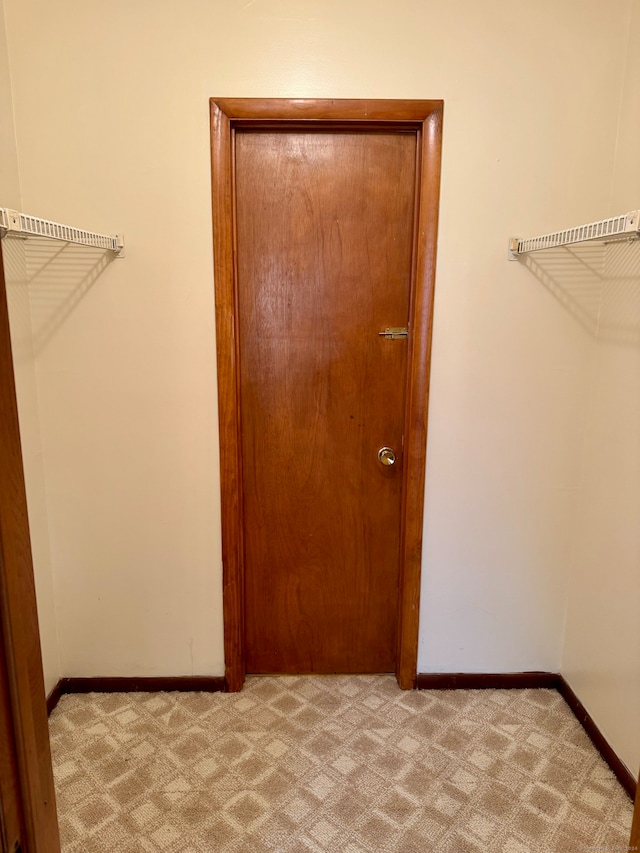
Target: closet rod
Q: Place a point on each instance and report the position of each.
(625, 226)
(13, 223)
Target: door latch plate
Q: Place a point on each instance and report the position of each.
(395, 333)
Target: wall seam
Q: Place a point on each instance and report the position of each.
(588, 419)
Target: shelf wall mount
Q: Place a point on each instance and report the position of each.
(623, 227)
(16, 224)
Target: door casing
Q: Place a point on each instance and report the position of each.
(26, 774)
(425, 118)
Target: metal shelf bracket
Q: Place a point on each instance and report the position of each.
(14, 223)
(623, 227)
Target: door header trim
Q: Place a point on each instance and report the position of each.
(318, 110)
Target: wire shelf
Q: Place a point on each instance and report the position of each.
(625, 226)
(13, 223)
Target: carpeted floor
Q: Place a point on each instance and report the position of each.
(348, 764)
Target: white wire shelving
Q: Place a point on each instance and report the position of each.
(14, 223)
(623, 227)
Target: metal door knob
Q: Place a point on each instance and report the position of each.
(386, 456)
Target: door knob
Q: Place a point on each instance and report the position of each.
(386, 456)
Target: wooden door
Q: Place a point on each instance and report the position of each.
(325, 226)
(11, 815)
(26, 775)
(634, 841)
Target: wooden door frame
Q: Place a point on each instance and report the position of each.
(634, 841)
(19, 622)
(425, 118)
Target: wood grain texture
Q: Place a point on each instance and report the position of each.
(11, 814)
(327, 109)
(228, 409)
(324, 247)
(19, 620)
(417, 410)
(425, 118)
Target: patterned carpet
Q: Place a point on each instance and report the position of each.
(349, 764)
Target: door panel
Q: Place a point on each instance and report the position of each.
(324, 236)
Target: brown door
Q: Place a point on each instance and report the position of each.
(325, 230)
(325, 219)
(634, 841)
(27, 797)
(11, 817)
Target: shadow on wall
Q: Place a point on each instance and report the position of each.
(599, 284)
(56, 277)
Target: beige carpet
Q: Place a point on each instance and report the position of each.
(340, 763)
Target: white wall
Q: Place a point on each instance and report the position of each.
(602, 646)
(9, 177)
(127, 377)
(21, 338)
